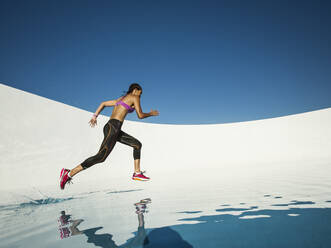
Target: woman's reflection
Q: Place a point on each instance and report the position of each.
(69, 227)
(164, 237)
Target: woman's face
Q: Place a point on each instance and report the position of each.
(137, 92)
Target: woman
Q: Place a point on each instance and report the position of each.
(113, 133)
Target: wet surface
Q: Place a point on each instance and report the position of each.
(278, 213)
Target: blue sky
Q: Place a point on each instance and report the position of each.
(199, 62)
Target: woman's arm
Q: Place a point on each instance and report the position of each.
(110, 103)
(140, 113)
(103, 105)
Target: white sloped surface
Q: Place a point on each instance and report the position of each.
(40, 136)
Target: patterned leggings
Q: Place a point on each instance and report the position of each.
(113, 133)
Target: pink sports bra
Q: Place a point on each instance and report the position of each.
(120, 102)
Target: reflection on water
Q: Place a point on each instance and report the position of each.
(157, 238)
(165, 237)
(227, 227)
(294, 202)
(69, 227)
(219, 214)
(294, 227)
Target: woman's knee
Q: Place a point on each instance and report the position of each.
(139, 145)
(98, 158)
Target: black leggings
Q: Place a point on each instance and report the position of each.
(112, 133)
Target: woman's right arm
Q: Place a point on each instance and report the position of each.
(140, 113)
(110, 103)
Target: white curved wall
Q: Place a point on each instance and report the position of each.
(40, 136)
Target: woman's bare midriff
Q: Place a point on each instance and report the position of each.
(119, 113)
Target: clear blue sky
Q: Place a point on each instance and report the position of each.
(198, 61)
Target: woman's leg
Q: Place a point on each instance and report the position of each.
(127, 139)
(75, 170)
(110, 132)
(137, 165)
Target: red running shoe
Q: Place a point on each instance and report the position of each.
(64, 178)
(140, 177)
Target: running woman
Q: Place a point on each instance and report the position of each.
(113, 133)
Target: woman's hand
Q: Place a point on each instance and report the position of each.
(93, 121)
(154, 113)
